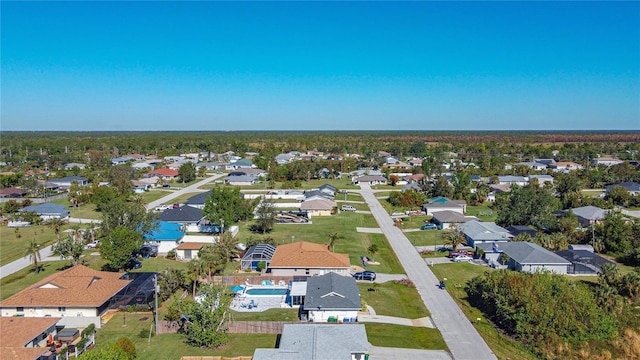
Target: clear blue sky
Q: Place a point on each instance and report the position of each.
(317, 65)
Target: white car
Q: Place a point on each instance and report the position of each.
(92, 245)
(461, 258)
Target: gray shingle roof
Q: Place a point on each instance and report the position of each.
(526, 253)
(199, 199)
(629, 186)
(47, 209)
(448, 216)
(183, 214)
(485, 231)
(332, 292)
(590, 212)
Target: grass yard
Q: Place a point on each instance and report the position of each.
(424, 237)
(86, 211)
(155, 194)
(13, 248)
(483, 213)
(388, 296)
(172, 346)
(457, 274)
(414, 222)
(269, 315)
(410, 337)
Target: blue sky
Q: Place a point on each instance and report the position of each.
(318, 65)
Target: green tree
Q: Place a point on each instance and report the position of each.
(529, 205)
(110, 352)
(227, 204)
(616, 233)
(69, 248)
(266, 213)
(127, 346)
(618, 196)
(118, 245)
(333, 237)
(56, 225)
(120, 213)
(187, 172)
(32, 250)
(206, 326)
(120, 177)
(197, 268)
(202, 171)
(442, 188)
(213, 260)
(453, 237)
(461, 184)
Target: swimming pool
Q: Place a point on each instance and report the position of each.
(270, 291)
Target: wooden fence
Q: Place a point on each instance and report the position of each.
(238, 327)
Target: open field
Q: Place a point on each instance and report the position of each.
(483, 212)
(386, 297)
(457, 274)
(13, 247)
(85, 211)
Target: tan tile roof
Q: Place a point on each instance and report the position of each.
(304, 254)
(17, 331)
(319, 204)
(191, 246)
(77, 286)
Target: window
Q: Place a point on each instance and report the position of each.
(306, 271)
(62, 309)
(20, 309)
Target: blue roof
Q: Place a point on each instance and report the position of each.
(47, 209)
(166, 231)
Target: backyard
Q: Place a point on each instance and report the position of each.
(386, 297)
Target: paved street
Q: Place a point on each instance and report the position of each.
(193, 188)
(22, 263)
(459, 334)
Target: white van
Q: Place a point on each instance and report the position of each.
(348, 208)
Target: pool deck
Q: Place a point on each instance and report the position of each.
(263, 303)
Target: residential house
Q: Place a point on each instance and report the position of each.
(199, 200)
(283, 159)
(65, 182)
(188, 251)
(318, 207)
(307, 259)
(71, 166)
(440, 203)
(512, 180)
(478, 232)
(210, 165)
(525, 256)
(516, 230)
(328, 189)
(547, 162)
(588, 215)
(318, 195)
(182, 215)
(47, 211)
(240, 164)
(121, 160)
(242, 180)
(533, 165)
(142, 166)
(257, 173)
(584, 262)
(448, 219)
(542, 179)
(164, 174)
(415, 162)
(606, 161)
(370, 180)
(79, 293)
(166, 236)
(565, 166)
(26, 338)
(332, 298)
(136, 157)
(259, 253)
(319, 342)
(632, 187)
(12, 192)
(412, 186)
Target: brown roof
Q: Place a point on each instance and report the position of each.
(17, 331)
(319, 204)
(77, 286)
(191, 246)
(307, 255)
(164, 172)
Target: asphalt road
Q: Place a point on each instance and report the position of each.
(189, 189)
(461, 337)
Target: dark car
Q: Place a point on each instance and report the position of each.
(133, 264)
(428, 227)
(365, 275)
(148, 251)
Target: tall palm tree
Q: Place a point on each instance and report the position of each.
(333, 237)
(33, 252)
(56, 224)
(453, 237)
(197, 268)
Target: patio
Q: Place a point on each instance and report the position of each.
(248, 303)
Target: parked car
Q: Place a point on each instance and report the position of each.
(365, 275)
(132, 264)
(453, 254)
(461, 258)
(149, 250)
(429, 227)
(92, 245)
(348, 208)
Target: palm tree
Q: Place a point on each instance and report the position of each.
(56, 224)
(333, 238)
(453, 237)
(197, 268)
(33, 252)
(76, 233)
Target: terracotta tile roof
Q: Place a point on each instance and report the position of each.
(164, 172)
(304, 254)
(191, 246)
(17, 331)
(77, 286)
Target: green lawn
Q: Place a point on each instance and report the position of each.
(424, 237)
(269, 315)
(172, 346)
(410, 337)
(150, 196)
(86, 211)
(12, 247)
(487, 213)
(414, 222)
(387, 296)
(457, 274)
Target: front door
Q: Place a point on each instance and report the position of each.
(187, 254)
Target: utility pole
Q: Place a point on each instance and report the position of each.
(155, 289)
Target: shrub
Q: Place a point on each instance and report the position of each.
(171, 255)
(127, 346)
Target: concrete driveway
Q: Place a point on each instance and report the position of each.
(461, 337)
(387, 353)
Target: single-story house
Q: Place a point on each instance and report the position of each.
(65, 182)
(121, 160)
(12, 192)
(77, 292)
(47, 211)
(241, 180)
(188, 251)
(320, 207)
(319, 342)
(142, 165)
(283, 159)
(26, 338)
(166, 236)
(516, 230)
(249, 172)
(632, 187)
(332, 298)
(71, 166)
(328, 189)
(542, 179)
(307, 259)
(588, 215)
(512, 180)
(525, 256)
(583, 262)
(412, 186)
(256, 254)
(534, 165)
(317, 194)
(606, 161)
(565, 166)
(199, 200)
(500, 188)
(210, 165)
(448, 219)
(183, 215)
(240, 164)
(164, 173)
(370, 180)
(441, 204)
(478, 232)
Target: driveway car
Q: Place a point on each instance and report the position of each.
(461, 258)
(92, 245)
(429, 227)
(132, 264)
(453, 254)
(348, 208)
(365, 275)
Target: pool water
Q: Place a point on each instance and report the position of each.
(266, 291)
